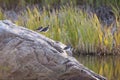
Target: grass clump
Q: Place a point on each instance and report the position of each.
(18, 4)
(72, 26)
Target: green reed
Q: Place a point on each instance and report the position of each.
(2, 16)
(10, 4)
(70, 26)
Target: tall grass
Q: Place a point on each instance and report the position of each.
(72, 26)
(10, 4)
(2, 16)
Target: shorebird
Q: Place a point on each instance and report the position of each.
(68, 49)
(43, 29)
(39, 28)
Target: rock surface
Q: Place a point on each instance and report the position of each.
(28, 55)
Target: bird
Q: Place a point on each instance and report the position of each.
(68, 48)
(43, 29)
(39, 28)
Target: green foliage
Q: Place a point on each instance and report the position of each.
(1, 15)
(10, 4)
(71, 26)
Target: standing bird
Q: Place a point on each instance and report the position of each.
(43, 29)
(68, 49)
(39, 28)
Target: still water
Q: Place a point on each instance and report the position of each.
(108, 66)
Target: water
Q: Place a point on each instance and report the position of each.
(108, 66)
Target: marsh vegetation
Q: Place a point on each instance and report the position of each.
(76, 23)
(70, 23)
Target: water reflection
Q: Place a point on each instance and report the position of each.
(107, 66)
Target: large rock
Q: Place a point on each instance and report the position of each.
(28, 55)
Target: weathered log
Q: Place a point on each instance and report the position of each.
(28, 55)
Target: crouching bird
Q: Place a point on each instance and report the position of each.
(43, 29)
